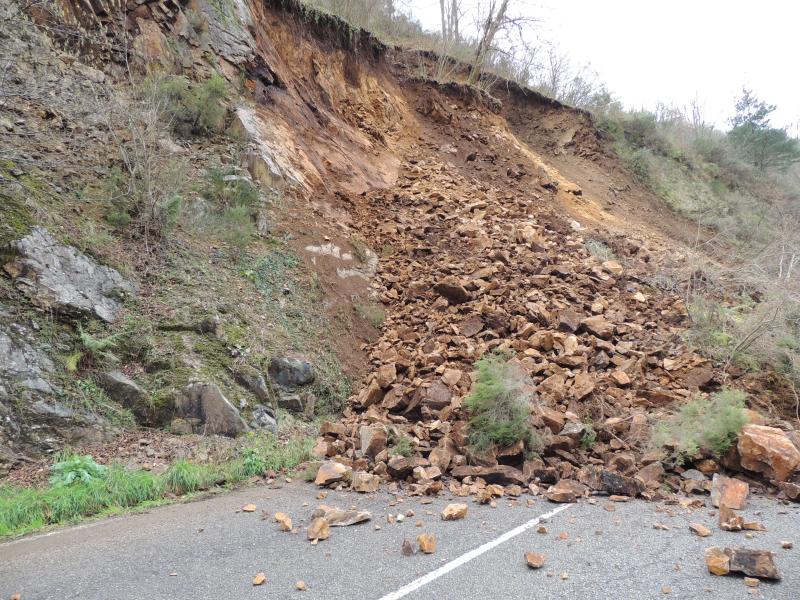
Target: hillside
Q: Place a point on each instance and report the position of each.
(226, 218)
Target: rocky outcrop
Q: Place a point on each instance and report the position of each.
(58, 277)
(122, 388)
(208, 411)
(289, 375)
(33, 417)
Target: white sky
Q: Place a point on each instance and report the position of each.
(647, 51)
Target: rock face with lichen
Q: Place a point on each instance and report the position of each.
(57, 277)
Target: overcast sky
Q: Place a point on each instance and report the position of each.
(648, 51)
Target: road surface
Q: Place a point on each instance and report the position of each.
(210, 549)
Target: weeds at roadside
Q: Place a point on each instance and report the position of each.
(82, 488)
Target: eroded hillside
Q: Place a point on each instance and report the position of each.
(403, 230)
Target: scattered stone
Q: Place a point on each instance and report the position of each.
(248, 508)
(729, 491)
(408, 548)
(755, 563)
(337, 517)
(566, 490)
(301, 586)
(454, 512)
(427, 543)
(699, 529)
(366, 483)
(259, 579)
(752, 582)
(787, 544)
(535, 560)
(332, 472)
(319, 529)
(284, 520)
(729, 520)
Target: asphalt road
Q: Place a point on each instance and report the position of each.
(208, 549)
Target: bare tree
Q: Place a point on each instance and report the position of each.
(493, 20)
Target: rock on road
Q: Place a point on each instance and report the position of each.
(211, 549)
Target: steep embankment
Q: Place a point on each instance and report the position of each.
(438, 224)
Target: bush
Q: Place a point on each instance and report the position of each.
(75, 469)
(708, 424)
(499, 405)
(194, 108)
(234, 200)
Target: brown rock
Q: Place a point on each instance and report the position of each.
(373, 439)
(651, 475)
(500, 474)
(756, 563)
(400, 467)
(259, 579)
(699, 529)
(569, 320)
(619, 485)
(332, 472)
(336, 517)
(319, 529)
(717, 562)
(454, 293)
(454, 512)
(598, 326)
(729, 491)
(553, 419)
(301, 586)
(407, 548)
(371, 394)
(620, 378)
(426, 543)
(441, 457)
(386, 375)
(582, 386)
(729, 520)
(535, 560)
(284, 520)
(613, 267)
(566, 490)
(248, 508)
(366, 483)
(769, 451)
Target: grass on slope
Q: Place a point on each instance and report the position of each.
(118, 489)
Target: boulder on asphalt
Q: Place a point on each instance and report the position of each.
(318, 529)
(205, 405)
(729, 492)
(454, 512)
(566, 490)
(769, 451)
(60, 278)
(332, 472)
(336, 517)
(755, 563)
(365, 483)
(500, 474)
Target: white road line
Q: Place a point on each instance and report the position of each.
(465, 558)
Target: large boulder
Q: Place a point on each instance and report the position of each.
(58, 277)
(122, 388)
(208, 410)
(263, 417)
(769, 451)
(291, 372)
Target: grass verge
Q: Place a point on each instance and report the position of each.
(23, 510)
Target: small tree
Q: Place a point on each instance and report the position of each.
(758, 142)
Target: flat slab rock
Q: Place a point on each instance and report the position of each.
(59, 277)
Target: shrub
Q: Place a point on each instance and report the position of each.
(75, 469)
(370, 312)
(402, 446)
(499, 405)
(194, 108)
(600, 250)
(710, 424)
(91, 350)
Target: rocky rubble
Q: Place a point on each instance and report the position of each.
(473, 270)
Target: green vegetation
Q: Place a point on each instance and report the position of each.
(193, 108)
(371, 312)
(91, 351)
(234, 200)
(82, 488)
(589, 437)
(711, 424)
(499, 406)
(399, 445)
(76, 469)
(600, 250)
(294, 305)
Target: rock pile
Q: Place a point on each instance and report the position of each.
(472, 270)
